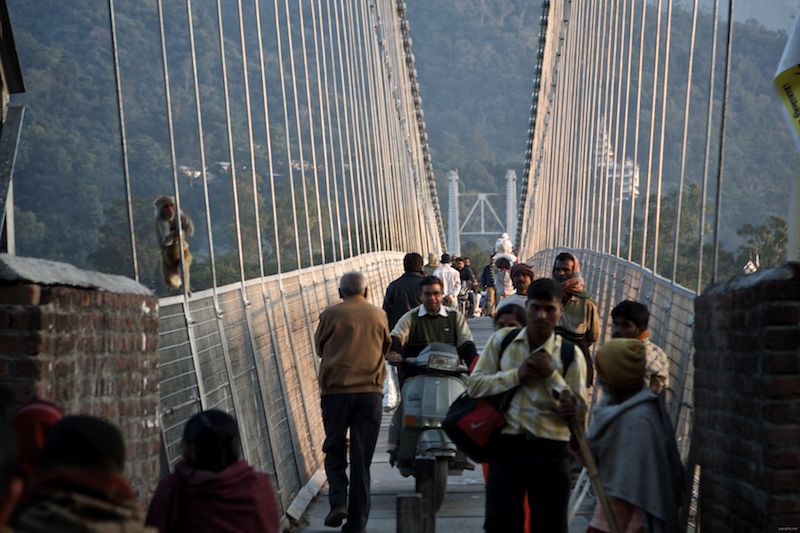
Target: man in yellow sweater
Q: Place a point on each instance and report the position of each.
(352, 339)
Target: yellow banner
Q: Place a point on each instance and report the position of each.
(787, 85)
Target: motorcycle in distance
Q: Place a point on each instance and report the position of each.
(424, 450)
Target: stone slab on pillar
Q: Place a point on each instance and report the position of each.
(87, 342)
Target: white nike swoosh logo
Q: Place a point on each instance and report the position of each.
(476, 425)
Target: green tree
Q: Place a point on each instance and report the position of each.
(768, 241)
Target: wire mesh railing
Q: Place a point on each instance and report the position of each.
(256, 360)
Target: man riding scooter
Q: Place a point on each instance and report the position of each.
(427, 323)
(413, 348)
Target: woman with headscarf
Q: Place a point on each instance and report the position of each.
(579, 321)
(31, 424)
(212, 489)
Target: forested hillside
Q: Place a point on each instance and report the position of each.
(476, 60)
(69, 180)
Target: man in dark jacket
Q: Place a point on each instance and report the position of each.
(403, 293)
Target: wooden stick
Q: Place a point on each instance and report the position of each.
(576, 428)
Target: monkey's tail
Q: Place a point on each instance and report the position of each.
(174, 280)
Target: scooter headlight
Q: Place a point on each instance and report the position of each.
(447, 363)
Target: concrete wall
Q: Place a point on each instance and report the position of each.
(747, 402)
(67, 337)
(250, 352)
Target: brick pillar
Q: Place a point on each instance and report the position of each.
(747, 401)
(87, 342)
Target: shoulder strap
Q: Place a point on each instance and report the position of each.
(505, 397)
(567, 355)
(508, 339)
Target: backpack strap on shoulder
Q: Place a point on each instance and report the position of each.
(567, 355)
(508, 339)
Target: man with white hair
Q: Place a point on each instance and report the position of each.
(352, 340)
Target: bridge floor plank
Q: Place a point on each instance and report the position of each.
(463, 507)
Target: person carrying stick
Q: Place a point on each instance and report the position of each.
(629, 451)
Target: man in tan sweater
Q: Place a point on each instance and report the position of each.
(352, 339)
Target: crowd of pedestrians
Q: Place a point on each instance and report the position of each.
(66, 473)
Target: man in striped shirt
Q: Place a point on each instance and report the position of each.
(531, 452)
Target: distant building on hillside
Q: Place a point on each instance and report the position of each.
(625, 176)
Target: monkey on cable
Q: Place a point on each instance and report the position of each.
(167, 231)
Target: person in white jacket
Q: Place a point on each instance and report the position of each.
(451, 281)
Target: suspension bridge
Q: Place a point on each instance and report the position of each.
(296, 139)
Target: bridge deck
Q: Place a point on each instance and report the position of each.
(463, 507)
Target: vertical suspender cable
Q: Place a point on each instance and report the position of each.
(384, 81)
(720, 166)
(123, 139)
(654, 96)
(229, 126)
(586, 20)
(619, 169)
(310, 112)
(367, 167)
(288, 135)
(569, 237)
(171, 135)
(202, 146)
(369, 122)
(347, 168)
(318, 34)
(623, 161)
(707, 156)
(637, 123)
(294, 436)
(591, 29)
(338, 138)
(300, 152)
(174, 168)
(349, 30)
(351, 128)
(246, 76)
(265, 103)
(661, 141)
(598, 127)
(380, 171)
(611, 65)
(685, 143)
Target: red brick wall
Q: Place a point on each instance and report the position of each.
(91, 352)
(747, 402)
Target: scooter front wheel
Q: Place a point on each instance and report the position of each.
(431, 480)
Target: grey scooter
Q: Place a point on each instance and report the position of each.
(424, 450)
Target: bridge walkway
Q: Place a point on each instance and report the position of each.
(462, 510)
